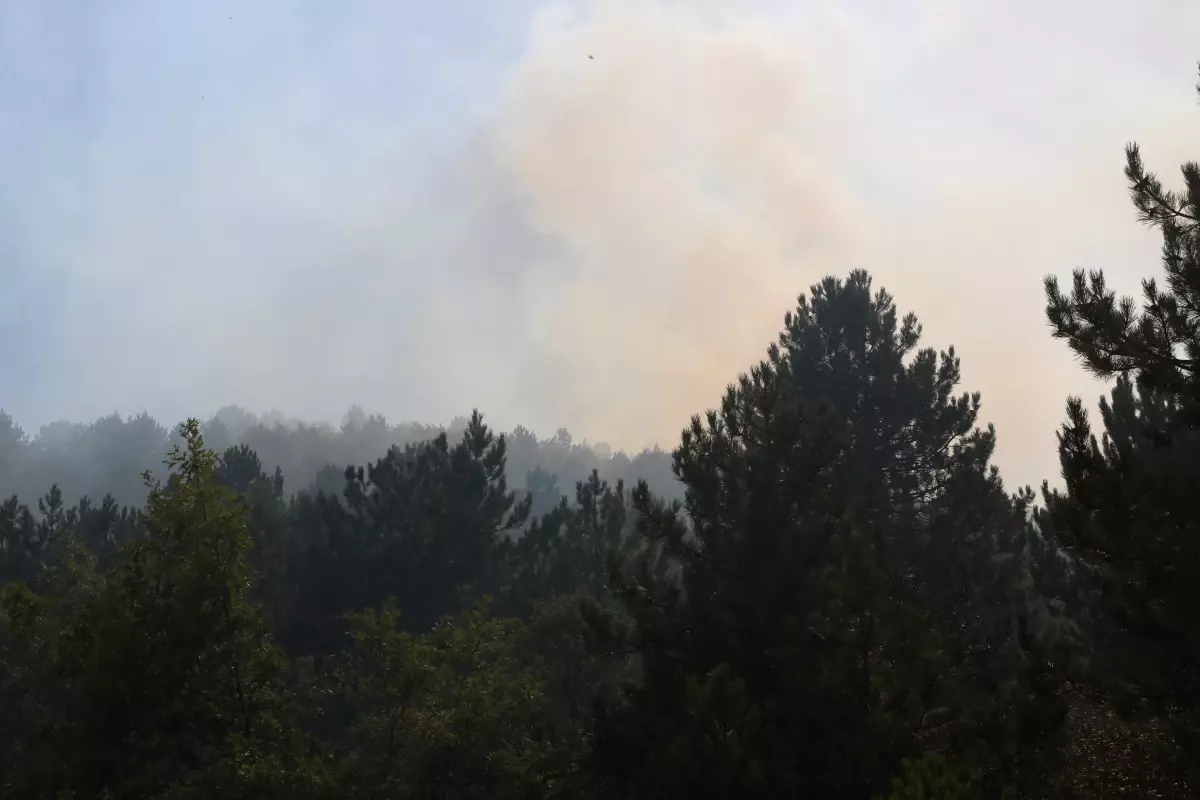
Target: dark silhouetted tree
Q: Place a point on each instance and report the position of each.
(1127, 510)
(839, 592)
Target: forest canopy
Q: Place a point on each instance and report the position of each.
(825, 590)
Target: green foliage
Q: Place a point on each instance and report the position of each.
(455, 712)
(30, 543)
(106, 457)
(842, 585)
(428, 524)
(931, 778)
(164, 671)
(569, 548)
(835, 596)
(1127, 513)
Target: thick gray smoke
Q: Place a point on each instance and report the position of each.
(587, 214)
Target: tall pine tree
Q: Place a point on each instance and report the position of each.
(837, 592)
(1127, 512)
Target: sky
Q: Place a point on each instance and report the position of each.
(590, 214)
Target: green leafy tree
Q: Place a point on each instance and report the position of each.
(168, 681)
(457, 712)
(931, 778)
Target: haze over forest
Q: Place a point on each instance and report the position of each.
(587, 215)
(599, 400)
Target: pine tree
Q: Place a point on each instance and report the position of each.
(168, 684)
(839, 590)
(1127, 512)
(568, 549)
(427, 524)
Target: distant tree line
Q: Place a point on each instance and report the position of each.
(107, 457)
(833, 595)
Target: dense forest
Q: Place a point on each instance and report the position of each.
(826, 590)
(108, 456)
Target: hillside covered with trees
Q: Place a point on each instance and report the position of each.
(825, 591)
(108, 456)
